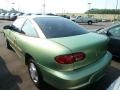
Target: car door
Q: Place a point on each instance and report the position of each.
(114, 44)
(78, 19)
(14, 32)
(26, 38)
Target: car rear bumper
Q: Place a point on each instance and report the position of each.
(76, 78)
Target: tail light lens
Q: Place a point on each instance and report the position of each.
(70, 58)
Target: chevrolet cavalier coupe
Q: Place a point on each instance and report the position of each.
(58, 51)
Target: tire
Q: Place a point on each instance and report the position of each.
(90, 22)
(35, 74)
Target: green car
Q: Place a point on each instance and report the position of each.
(58, 51)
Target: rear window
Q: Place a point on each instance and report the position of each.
(54, 27)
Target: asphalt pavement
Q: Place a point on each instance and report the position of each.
(14, 74)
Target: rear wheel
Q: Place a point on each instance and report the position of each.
(35, 74)
(89, 22)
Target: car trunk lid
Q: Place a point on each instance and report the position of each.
(93, 45)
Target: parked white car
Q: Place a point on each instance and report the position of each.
(89, 20)
(18, 14)
(72, 18)
(12, 16)
(7, 16)
(2, 16)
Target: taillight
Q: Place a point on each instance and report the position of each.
(79, 56)
(70, 58)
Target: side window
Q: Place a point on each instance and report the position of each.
(115, 31)
(19, 23)
(78, 17)
(29, 30)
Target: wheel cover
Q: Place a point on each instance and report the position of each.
(33, 73)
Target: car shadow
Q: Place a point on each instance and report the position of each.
(117, 59)
(47, 87)
(7, 80)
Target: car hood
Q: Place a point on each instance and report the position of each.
(93, 45)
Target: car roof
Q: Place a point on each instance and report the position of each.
(35, 16)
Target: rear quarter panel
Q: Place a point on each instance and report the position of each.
(44, 51)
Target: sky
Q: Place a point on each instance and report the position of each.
(57, 6)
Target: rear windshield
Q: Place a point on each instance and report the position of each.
(54, 27)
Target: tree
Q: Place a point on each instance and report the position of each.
(103, 11)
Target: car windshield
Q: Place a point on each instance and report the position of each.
(54, 27)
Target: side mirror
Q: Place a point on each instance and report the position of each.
(11, 27)
(7, 27)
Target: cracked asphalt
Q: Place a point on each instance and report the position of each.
(14, 74)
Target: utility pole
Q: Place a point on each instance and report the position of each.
(116, 11)
(89, 4)
(44, 7)
(106, 12)
(116, 5)
(13, 7)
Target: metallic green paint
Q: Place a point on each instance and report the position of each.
(93, 45)
(71, 76)
(68, 80)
